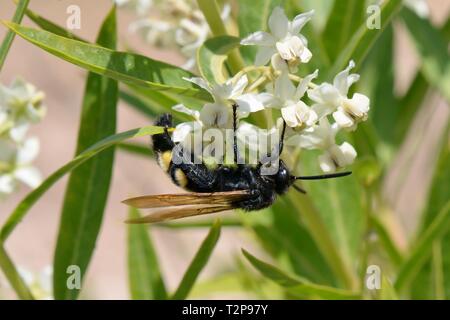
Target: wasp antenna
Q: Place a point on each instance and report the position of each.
(324, 176)
(299, 189)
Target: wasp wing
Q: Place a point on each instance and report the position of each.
(182, 199)
(178, 213)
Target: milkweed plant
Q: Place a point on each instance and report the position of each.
(322, 72)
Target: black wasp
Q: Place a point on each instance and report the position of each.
(213, 190)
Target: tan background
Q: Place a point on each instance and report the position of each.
(32, 243)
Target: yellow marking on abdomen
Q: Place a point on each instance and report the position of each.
(164, 159)
(180, 178)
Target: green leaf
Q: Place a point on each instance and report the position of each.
(88, 186)
(51, 26)
(13, 276)
(363, 39)
(198, 263)
(22, 208)
(253, 18)
(285, 236)
(122, 66)
(211, 57)
(338, 202)
(295, 285)
(149, 102)
(432, 48)
(6, 44)
(154, 103)
(144, 274)
(345, 19)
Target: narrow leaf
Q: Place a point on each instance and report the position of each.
(6, 44)
(88, 186)
(296, 285)
(198, 263)
(144, 274)
(122, 66)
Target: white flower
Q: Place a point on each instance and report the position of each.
(322, 137)
(420, 7)
(20, 105)
(15, 164)
(184, 129)
(287, 97)
(284, 38)
(141, 7)
(332, 98)
(219, 113)
(155, 32)
(257, 139)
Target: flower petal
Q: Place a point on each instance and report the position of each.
(343, 119)
(28, 151)
(29, 175)
(303, 85)
(326, 163)
(306, 55)
(284, 88)
(325, 94)
(199, 82)
(299, 21)
(278, 23)
(182, 131)
(215, 115)
(289, 115)
(342, 81)
(249, 102)
(259, 38)
(239, 87)
(7, 184)
(263, 55)
(358, 105)
(183, 109)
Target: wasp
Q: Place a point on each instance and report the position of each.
(240, 186)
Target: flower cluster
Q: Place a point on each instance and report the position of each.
(169, 23)
(310, 124)
(20, 106)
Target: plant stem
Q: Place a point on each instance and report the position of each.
(13, 276)
(211, 11)
(6, 44)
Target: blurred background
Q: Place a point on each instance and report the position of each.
(31, 245)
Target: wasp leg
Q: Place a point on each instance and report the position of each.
(281, 143)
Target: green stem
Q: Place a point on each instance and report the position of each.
(211, 11)
(323, 240)
(13, 276)
(18, 15)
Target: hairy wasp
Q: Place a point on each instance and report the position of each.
(224, 188)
